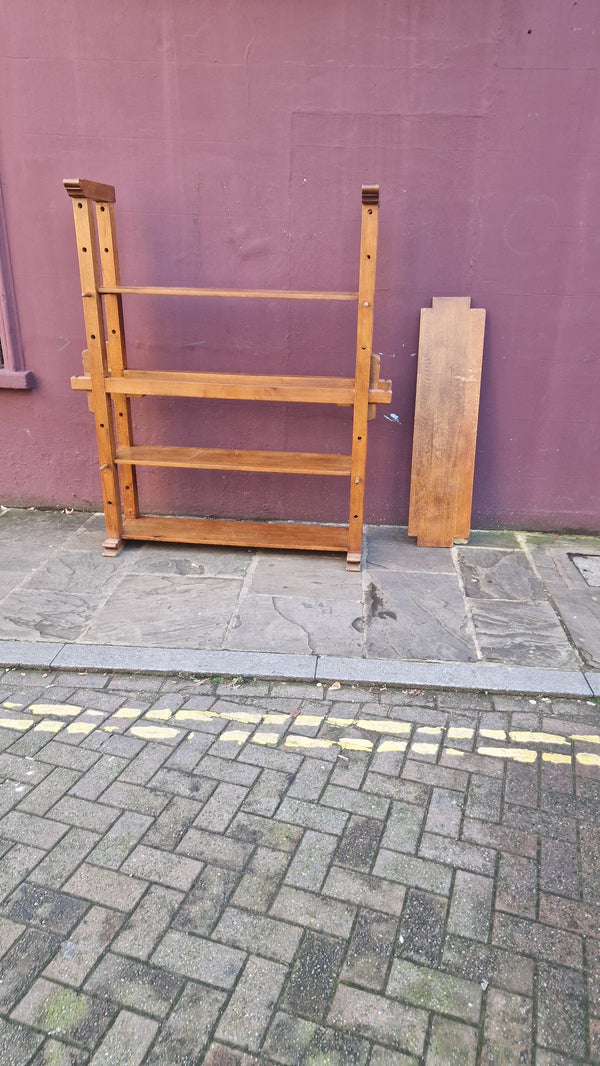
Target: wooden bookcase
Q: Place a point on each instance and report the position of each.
(111, 386)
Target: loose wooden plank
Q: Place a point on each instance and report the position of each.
(237, 534)
(244, 294)
(446, 413)
(236, 459)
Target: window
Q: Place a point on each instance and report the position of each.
(13, 374)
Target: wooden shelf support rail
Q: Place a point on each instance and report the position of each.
(110, 386)
(237, 294)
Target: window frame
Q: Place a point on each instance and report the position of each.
(13, 374)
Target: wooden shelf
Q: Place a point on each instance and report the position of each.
(235, 459)
(299, 389)
(236, 534)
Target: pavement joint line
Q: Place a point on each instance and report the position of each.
(472, 631)
(243, 593)
(458, 676)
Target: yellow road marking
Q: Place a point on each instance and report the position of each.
(516, 754)
(246, 717)
(48, 725)
(235, 736)
(266, 738)
(355, 744)
(127, 712)
(194, 716)
(80, 727)
(383, 727)
(292, 741)
(64, 709)
(521, 737)
(154, 732)
(588, 758)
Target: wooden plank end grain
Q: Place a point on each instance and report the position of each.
(82, 189)
(446, 413)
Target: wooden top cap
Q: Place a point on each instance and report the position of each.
(370, 194)
(81, 188)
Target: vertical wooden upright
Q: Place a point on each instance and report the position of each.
(85, 194)
(362, 374)
(115, 348)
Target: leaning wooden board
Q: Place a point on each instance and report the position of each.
(446, 412)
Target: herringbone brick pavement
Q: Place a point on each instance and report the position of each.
(236, 873)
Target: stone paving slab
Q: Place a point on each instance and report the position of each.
(295, 624)
(589, 568)
(580, 611)
(251, 873)
(408, 615)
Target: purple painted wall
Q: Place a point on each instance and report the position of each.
(238, 135)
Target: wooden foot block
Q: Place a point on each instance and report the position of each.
(112, 546)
